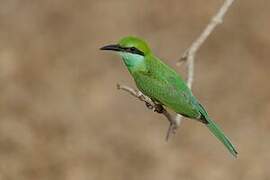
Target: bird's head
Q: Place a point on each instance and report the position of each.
(132, 49)
(132, 45)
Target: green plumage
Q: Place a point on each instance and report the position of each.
(163, 85)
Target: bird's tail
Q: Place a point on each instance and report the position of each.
(213, 127)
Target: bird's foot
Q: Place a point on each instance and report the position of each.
(159, 108)
(149, 106)
(156, 107)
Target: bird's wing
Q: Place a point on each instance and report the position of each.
(170, 91)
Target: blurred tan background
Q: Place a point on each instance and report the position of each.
(62, 118)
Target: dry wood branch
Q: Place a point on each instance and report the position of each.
(190, 53)
(189, 57)
(153, 106)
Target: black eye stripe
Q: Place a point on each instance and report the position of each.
(134, 50)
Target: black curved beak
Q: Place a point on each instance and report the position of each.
(112, 47)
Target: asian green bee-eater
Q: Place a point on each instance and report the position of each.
(163, 85)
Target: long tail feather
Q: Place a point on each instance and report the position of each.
(213, 127)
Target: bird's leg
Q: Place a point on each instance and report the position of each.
(159, 108)
(156, 106)
(148, 105)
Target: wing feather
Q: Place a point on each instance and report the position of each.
(169, 91)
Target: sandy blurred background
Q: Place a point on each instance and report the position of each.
(62, 118)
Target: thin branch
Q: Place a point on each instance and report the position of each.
(190, 53)
(137, 94)
(153, 106)
(189, 57)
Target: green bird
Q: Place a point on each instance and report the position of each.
(163, 85)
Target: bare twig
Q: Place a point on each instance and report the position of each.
(137, 94)
(190, 53)
(189, 57)
(153, 106)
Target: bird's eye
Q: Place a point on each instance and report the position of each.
(132, 49)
